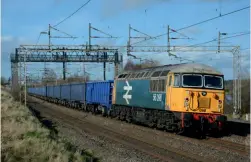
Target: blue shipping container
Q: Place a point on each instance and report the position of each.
(99, 93)
(66, 92)
(56, 91)
(78, 92)
(43, 91)
(38, 91)
(49, 91)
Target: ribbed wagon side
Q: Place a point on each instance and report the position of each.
(78, 92)
(77, 95)
(42, 91)
(65, 94)
(49, 92)
(99, 96)
(56, 92)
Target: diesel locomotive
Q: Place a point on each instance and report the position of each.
(176, 97)
(172, 97)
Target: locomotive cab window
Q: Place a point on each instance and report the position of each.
(215, 82)
(191, 80)
(176, 80)
(170, 81)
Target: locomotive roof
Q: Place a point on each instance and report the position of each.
(195, 68)
(183, 68)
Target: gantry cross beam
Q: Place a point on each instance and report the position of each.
(60, 53)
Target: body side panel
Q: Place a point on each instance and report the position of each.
(137, 93)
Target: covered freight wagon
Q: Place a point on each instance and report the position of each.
(77, 92)
(100, 95)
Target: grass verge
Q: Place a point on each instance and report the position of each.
(24, 138)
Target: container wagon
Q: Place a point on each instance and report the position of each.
(99, 96)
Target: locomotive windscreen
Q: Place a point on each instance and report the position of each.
(192, 80)
(213, 82)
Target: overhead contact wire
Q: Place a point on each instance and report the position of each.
(197, 23)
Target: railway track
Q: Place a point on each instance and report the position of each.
(148, 147)
(154, 149)
(231, 146)
(217, 143)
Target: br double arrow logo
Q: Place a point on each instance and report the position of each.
(128, 88)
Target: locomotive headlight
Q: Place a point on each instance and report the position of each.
(219, 105)
(186, 103)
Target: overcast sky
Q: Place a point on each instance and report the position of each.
(22, 21)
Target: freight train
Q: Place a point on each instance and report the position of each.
(179, 97)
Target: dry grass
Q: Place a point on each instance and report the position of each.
(24, 138)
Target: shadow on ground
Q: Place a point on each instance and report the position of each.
(238, 128)
(54, 134)
(45, 122)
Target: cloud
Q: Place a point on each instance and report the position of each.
(192, 31)
(6, 38)
(8, 45)
(114, 7)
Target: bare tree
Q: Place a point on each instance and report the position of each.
(49, 77)
(129, 65)
(245, 94)
(78, 78)
(3, 80)
(146, 64)
(245, 91)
